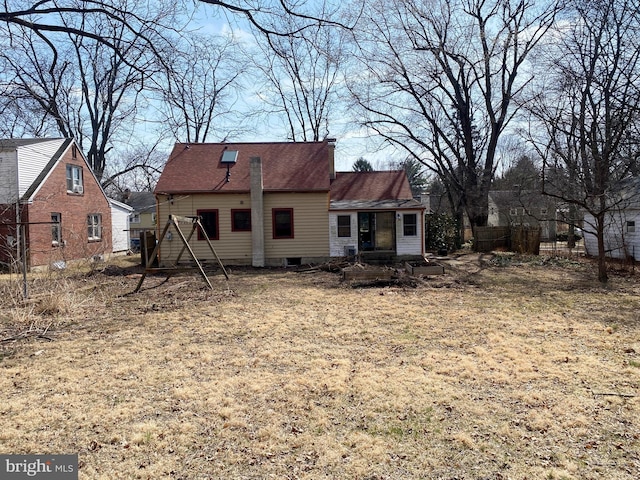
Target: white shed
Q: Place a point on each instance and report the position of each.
(120, 225)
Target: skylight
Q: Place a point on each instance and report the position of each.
(229, 156)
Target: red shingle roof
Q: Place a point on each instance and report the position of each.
(386, 185)
(288, 166)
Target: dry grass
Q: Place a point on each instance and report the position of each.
(499, 370)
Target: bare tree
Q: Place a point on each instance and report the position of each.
(38, 86)
(87, 91)
(200, 87)
(66, 81)
(48, 18)
(266, 16)
(137, 169)
(52, 19)
(441, 79)
(301, 75)
(587, 118)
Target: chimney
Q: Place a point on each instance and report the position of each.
(331, 142)
(257, 212)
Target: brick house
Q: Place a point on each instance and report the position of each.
(48, 187)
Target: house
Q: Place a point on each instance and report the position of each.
(143, 217)
(272, 204)
(48, 188)
(120, 238)
(375, 212)
(523, 208)
(621, 223)
(260, 203)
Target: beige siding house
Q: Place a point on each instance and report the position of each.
(279, 204)
(262, 204)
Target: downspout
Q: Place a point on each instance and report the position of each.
(257, 212)
(422, 231)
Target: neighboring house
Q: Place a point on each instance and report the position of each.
(271, 204)
(120, 239)
(523, 208)
(375, 212)
(48, 187)
(143, 217)
(621, 224)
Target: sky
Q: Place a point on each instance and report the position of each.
(352, 142)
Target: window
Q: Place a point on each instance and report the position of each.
(56, 229)
(153, 218)
(134, 218)
(344, 225)
(74, 179)
(631, 226)
(209, 220)
(282, 222)
(410, 224)
(94, 226)
(240, 220)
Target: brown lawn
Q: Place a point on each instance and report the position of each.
(504, 368)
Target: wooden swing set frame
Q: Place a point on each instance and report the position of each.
(196, 224)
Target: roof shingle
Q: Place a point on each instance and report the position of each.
(385, 185)
(285, 167)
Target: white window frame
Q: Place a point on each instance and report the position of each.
(94, 227)
(412, 226)
(74, 179)
(343, 228)
(56, 228)
(134, 218)
(631, 226)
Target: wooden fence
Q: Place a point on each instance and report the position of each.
(517, 239)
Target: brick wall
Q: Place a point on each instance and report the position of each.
(74, 208)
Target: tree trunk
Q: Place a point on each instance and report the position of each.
(602, 260)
